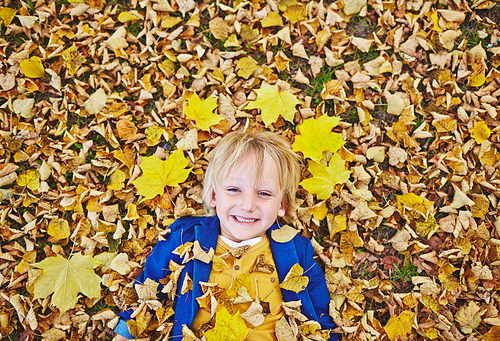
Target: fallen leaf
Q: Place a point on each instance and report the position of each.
(325, 177)
(399, 326)
(219, 28)
(202, 111)
(284, 234)
(65, 278)
(156, 174)
(59, 228)
(33, 67)
(294, 280)
(227, 327)
(96, 102)
(316, 136)
(274, 103)
(480, 132)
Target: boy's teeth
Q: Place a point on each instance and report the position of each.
(245, 220)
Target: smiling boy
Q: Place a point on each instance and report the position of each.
(250, 182)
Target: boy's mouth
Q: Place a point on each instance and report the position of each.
(244, 220)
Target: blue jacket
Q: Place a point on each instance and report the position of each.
(315, 298)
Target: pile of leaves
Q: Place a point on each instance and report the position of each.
(109, 112)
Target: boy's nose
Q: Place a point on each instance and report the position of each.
(247, 203)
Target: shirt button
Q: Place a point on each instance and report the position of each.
(272, 279)
(236, 267)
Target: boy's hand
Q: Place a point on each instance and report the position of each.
(120, 338)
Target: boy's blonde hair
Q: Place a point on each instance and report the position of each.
(237, 145)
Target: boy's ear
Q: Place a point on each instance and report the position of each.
(212, 200)
(281, 210)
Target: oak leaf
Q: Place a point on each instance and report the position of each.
(294, 280)
(273, 104)
(65, 278)
(156, 174)
(399, 326)
(227, 327)
(316, 136)
(202, 111)
(325, 177)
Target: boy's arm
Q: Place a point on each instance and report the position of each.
(318, 291)
(155, 268)
(122, 332)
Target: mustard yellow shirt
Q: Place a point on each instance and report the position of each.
(265, 284)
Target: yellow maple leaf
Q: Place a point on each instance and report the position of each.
(227, 327)
(399, 326)
(66, 278)
(33, 67)
(156, 174)
(202, 112)
(58, 228)
(480, 132)
(316, 136)
(294, 280)
(30, 179)
(273, 103)
(325, 177)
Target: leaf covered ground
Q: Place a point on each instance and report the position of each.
(109, 112)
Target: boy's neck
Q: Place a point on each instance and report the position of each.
(233, 244)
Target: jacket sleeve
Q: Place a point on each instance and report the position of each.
(156, 267)
(318, 291)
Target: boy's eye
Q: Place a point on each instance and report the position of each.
(232, 190)
(265, 194)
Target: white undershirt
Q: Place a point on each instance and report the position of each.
(232, 244)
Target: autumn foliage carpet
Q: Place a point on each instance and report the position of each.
(109, 112)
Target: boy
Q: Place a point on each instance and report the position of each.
(251, 181)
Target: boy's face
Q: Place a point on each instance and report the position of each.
(246, 210)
